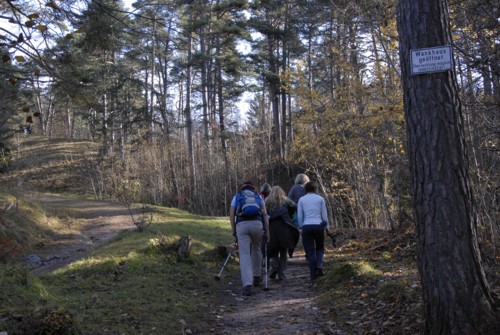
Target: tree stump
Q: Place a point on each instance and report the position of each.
(184, 246)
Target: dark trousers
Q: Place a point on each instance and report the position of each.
(278, 262)
(313, 239)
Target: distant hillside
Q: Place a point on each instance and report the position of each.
(56, 165)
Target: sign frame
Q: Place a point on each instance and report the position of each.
(431, 60)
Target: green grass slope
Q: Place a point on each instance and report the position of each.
(134, 284)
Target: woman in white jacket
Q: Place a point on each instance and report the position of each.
(313, 220)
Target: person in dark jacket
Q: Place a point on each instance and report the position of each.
(297, 191)
(284, 234)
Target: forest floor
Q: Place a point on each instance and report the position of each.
(354, 297)
(287, 307)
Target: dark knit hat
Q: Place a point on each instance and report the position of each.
(247, 185)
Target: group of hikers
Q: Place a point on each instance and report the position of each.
(269, 222)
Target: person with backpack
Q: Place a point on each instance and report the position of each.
(297, 191)
(249, 221)
(284, 234)
(313, 220)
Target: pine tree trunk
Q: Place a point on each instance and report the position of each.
(189, 116)
(457, 298)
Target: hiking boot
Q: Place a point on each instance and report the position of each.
(281, 277)
(273, 274)
(319, 272)
(257, 281)
(247, 290)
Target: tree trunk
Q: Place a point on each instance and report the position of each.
(222, 122)
(104, 129)
(284, 65)
(69, 121)
(457, 298)
(204, 86)
(274, 91)
(153, 71)
(189, 117)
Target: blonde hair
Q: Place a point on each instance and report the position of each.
(301, 179)
(277, 198)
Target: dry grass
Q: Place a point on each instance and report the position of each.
(48, 165)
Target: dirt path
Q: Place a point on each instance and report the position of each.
(97, 223)
(288, 307)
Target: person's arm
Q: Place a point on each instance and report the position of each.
(324, 214)
(232, 219)
(300, 213)
(232, 215)
(291, 207)
(291, 194)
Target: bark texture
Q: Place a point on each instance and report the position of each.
(457, 299)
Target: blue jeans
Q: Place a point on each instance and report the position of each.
(313, 239)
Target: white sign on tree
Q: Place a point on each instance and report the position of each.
(429, 60)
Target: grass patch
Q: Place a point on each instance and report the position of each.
(50, 164)
(349, 270)
(27, 227)
(135, 284)
(396, 291)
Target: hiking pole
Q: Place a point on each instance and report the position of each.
(265, 266)
(217, 276)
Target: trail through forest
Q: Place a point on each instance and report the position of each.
(287, 307)
(93, 223)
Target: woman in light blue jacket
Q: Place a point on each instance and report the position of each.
(313, 220)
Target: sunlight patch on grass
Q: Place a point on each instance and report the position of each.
(136, 293)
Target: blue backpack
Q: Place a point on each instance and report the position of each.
(248, 205)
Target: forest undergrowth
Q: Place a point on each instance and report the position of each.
(374, 287)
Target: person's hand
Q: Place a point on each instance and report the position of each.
(267, 237)
(332, 236)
